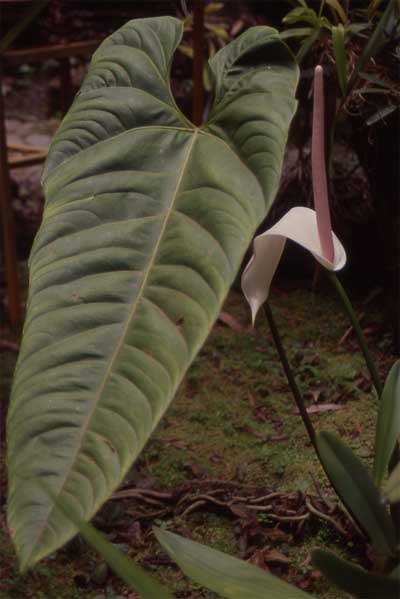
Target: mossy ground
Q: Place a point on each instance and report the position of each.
(234, 420)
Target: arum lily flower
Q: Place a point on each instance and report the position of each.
(309, 228)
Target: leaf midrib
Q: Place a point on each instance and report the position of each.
(116, 352)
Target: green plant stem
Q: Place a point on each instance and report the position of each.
(26, 20)
(358, 331)
(290, 376)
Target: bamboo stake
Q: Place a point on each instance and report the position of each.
(198, 61)
(8, 227)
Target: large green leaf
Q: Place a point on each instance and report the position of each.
(228, 576)
(146, 222)
(388, 424)
(353, 579)
(354, 485)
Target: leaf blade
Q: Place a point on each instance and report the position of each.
(355, 488)
(353, 579)
(228, 576)
(129, 571)
(388, 423)
(122, 291)
(335, 4)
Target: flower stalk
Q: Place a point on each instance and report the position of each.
(289, 375)
(348, 308)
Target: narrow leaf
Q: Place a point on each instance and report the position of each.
(353, 484)
(335, 4)
(131, 573)
(375, 80)
(354, 580)
(296, 32)
(307, 45)
(356, 27)
(31, 14)
(339, 52)
(300, 14)
(392, 487)
(388, 424)
(145, 225)
(226, 575)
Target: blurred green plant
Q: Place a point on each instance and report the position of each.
(217, 33)
(335, 24)
(340, 33)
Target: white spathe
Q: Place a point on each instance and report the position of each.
(299, 225)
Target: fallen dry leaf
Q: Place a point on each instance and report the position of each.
(273, 555)
(230, 321)
(8, 346)
(322, 407)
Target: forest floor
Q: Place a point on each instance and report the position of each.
(230, 439)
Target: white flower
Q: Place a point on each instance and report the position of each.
(299, 225)
(309, 228)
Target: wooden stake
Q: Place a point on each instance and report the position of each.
(8, 227)
(198, 61)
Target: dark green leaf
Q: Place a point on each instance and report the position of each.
(335, 4)
(353, 579)
(296, 32)
(307, 45)
(388, 424)
(226, 575)
(375, 80)
(354, 485)
(301, 14)
(357, 27)
(146, 222)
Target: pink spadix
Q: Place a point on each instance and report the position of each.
(318, 165)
